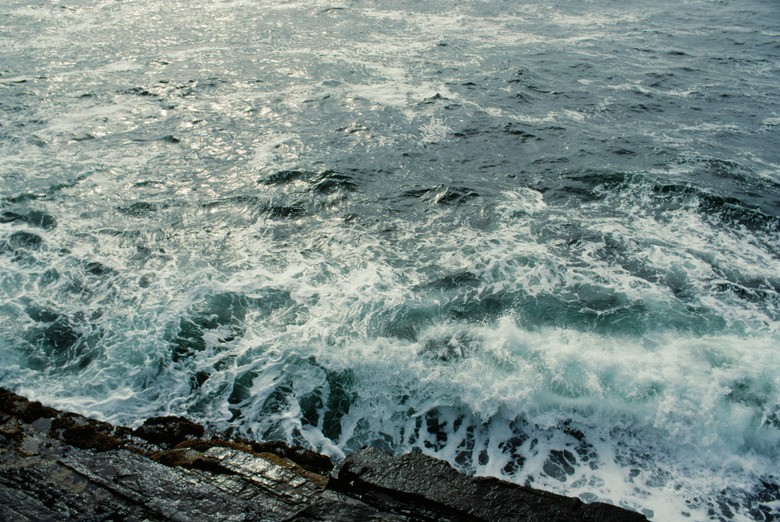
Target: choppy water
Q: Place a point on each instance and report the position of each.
(537, 239)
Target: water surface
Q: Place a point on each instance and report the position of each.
(538, 240)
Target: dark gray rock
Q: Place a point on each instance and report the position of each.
(432, 489)
(332, 505)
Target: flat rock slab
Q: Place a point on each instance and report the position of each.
(431, 488)
(44, 479)
(62, 466)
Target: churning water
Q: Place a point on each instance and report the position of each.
(540, 240)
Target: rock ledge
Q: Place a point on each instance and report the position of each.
(63, 466)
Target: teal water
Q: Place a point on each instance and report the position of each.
(538, 240)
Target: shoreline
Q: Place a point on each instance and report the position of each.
(63, 466)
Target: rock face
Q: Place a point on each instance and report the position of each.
(62, 466)
(428, 487)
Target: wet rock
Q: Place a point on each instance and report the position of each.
(336, 506)
(27, 411)
(308, 459)
(75, 468)
(428, 487)
(168, 431)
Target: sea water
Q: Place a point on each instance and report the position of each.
(537, 239)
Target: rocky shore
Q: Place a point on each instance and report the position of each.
(63, 466)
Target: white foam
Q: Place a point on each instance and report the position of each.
(435, 131)
(664, 403)
(264, 153)
(617, 321)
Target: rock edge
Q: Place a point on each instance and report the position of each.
(63, 466)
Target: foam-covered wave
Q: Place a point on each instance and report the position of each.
(621, 349)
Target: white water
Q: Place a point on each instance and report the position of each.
(535, 258)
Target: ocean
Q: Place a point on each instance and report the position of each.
(539, 240)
